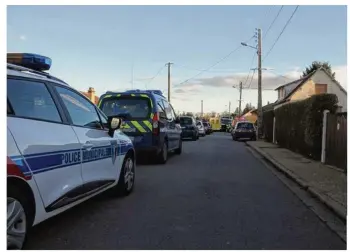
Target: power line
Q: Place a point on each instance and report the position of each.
(251, 79)
(159, 71)
(217, 62)
(250, 69)
(285, 26)
(203, 70)
(273, 22)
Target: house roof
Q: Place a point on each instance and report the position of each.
(265, 108)
(298, 81)
(301, 81)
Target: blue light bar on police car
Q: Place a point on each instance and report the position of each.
(30, 60)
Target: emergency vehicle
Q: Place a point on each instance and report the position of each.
(61, 149)
(215, 123)
(151, 122)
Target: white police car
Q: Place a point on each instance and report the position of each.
(61, 149)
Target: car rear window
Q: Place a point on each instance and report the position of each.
(245, 126)
(136, 107)
(185, 120)
(225, 121)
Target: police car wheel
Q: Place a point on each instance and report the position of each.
(127, 177)
(17, 218)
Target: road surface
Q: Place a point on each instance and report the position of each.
(216, 195)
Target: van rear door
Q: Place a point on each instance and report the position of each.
(139, 106)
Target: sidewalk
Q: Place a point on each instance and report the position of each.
(324, 182)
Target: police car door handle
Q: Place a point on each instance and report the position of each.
(88, 146)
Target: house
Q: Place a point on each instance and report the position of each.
(251, 116)
(317, 82)
(91, 95)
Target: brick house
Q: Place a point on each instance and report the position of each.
(91, 95)
(251, 116)
(317, 82)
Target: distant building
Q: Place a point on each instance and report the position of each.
(91, 95)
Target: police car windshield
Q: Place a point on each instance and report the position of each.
(136, 107)
(185, 120)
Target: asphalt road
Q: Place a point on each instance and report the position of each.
(216, 195)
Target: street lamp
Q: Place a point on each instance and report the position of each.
(245, 44)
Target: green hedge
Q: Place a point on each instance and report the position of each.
(299, 124)
(268, 125)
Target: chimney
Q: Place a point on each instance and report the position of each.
(91, 93)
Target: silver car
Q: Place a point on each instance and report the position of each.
(201, 129)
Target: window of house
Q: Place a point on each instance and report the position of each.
(321, 88)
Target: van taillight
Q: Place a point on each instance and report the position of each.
(155, 124)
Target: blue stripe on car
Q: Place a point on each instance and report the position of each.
(46, 161)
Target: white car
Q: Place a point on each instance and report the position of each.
(61, 149)
(201, 129)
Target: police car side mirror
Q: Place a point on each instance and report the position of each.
(113, 124)
(177, 120)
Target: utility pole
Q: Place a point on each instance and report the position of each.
(202, 108)
(240, 98)
(229, 107)
(169, 85)
(260, 113)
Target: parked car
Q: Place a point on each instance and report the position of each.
(244, 130)
(61, 149)
(201, 129)
(226, 123)
(189, 128)
(207, 128)
(151, 121)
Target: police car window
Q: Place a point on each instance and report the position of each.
(172, 111)
(168, 111)
(31, 99)
(136, 107)
(82, 112)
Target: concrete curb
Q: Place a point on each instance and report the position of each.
(333, 205)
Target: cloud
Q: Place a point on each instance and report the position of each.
(23, 37)
(193, 89)
(270, 79)
(180, 98)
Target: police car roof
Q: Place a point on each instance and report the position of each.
(147, 91)
(16, 70)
